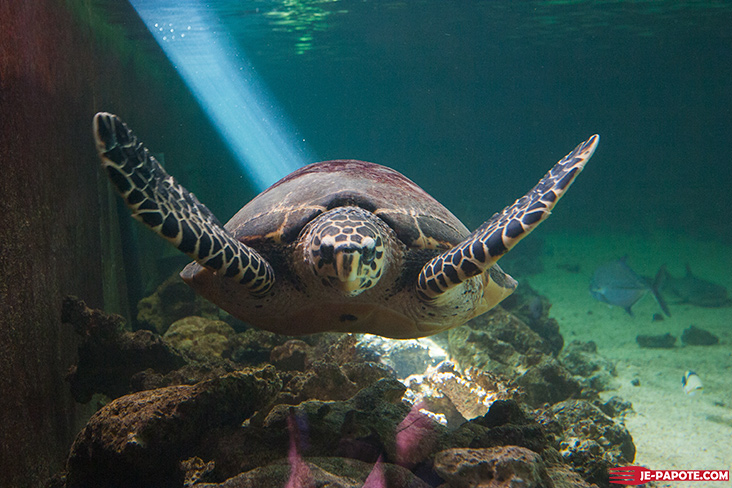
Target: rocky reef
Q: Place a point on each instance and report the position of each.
(208, 406)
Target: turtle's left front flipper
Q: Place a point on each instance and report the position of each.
(157, 200)
(497, 236)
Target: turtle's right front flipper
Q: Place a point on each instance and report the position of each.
(485, 246)
(160, 202)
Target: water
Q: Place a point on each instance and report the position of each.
(474, 101)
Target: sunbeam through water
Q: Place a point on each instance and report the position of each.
(224, 83)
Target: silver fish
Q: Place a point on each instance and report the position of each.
(694, 290)
(617, 284)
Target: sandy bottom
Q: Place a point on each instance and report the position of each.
(671, 429)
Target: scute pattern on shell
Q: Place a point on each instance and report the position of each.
(280, 212)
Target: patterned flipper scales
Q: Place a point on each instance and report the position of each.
(497, 236)
(156, 199)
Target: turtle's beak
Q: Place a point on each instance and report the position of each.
(347, 264)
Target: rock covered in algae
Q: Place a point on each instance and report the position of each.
(366, 427)
(326, 472)
(293, 355)
(172, 301)
(200, 337)
(456, 395)
(327, 397)
(533, 309)
(501, 343)
(585, 363)
(140, 439)
(548, 381)
(109, 355)
(506, 423)
(496, 341)
(587, 439)
(406, 357)
(492, 467)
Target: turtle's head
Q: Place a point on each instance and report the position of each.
(345, 248)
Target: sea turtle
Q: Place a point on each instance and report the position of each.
(340, 245)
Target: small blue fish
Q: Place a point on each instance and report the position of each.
(617, 284)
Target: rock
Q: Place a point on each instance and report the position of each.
(293, 355)
(694, 336)
(142, 438)
(548, 382)
(196, 470)
(455, 395)
(322, 381)
(587, 439)
(504, 424)
(200, 338)
(326, 471)
(406, 357)
(109, 356)
(253, 347)
(172, 301)
(615, 406)
(665, 341)
(367, 373)
(506, 466)
(363, 427)
(563, 477)
(591, 369)
(189, 374)
(496, 341)
(533, 309)
(501, 343)
(328, 397)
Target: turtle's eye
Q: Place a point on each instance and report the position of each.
(326, 253)
(369, 252)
